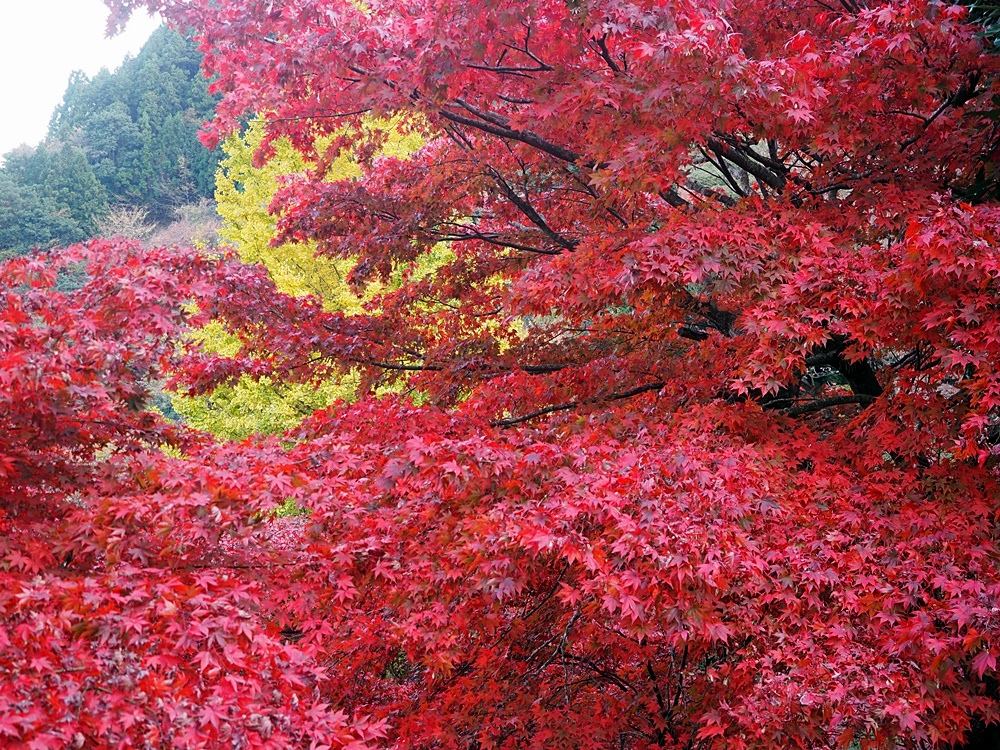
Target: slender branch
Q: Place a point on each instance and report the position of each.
(604, 672)
(737, 156)
(510, 70)
(332, 116)
(542, 369)
(510, 422)
(602, 46)
(405, 368)
(458, 137)
(721, 166)
(772, 163)
(528, 52)
(494, 124)
(964, 93)
(825, 403)
(680, 678)
(707, 192)
(528, 210)
(656, 688)
(524, 136)
(514, 99)
(491, 239)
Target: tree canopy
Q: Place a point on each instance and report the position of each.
(51, 197)
(689, 440)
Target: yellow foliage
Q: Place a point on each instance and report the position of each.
(243, 194)
(215, 338)
(260, 406)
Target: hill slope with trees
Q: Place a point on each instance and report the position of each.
(126, 139)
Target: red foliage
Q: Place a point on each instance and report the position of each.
(697, 466)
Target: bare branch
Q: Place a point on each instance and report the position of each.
(825, 403)
(573, 404)
(528, 210)
(524, 136)
(738, 156)
(602, 47)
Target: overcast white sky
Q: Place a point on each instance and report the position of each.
(41, 43)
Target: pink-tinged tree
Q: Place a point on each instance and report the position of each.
(119, 623)
(699, 435)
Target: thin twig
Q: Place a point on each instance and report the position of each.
(825, 403)
(504, 423)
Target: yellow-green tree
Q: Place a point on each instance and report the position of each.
(249, 407)
(244, 193)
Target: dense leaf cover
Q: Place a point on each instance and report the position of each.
(695, 436)
(51, 198)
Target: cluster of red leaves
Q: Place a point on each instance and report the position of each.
(665, 582)
(120, 625)
(697, 466)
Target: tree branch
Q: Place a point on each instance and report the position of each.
(825, 403)
(504, 423)
(737, 156)
(525, 207)
(605, 54)
(481, 122)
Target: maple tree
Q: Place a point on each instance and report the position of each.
(694, 432)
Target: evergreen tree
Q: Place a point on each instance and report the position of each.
(72, 183)
(29, 219)
(114, 145)
(61, 173)
(128, 138)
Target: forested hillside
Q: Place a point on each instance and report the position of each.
(119, 142)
